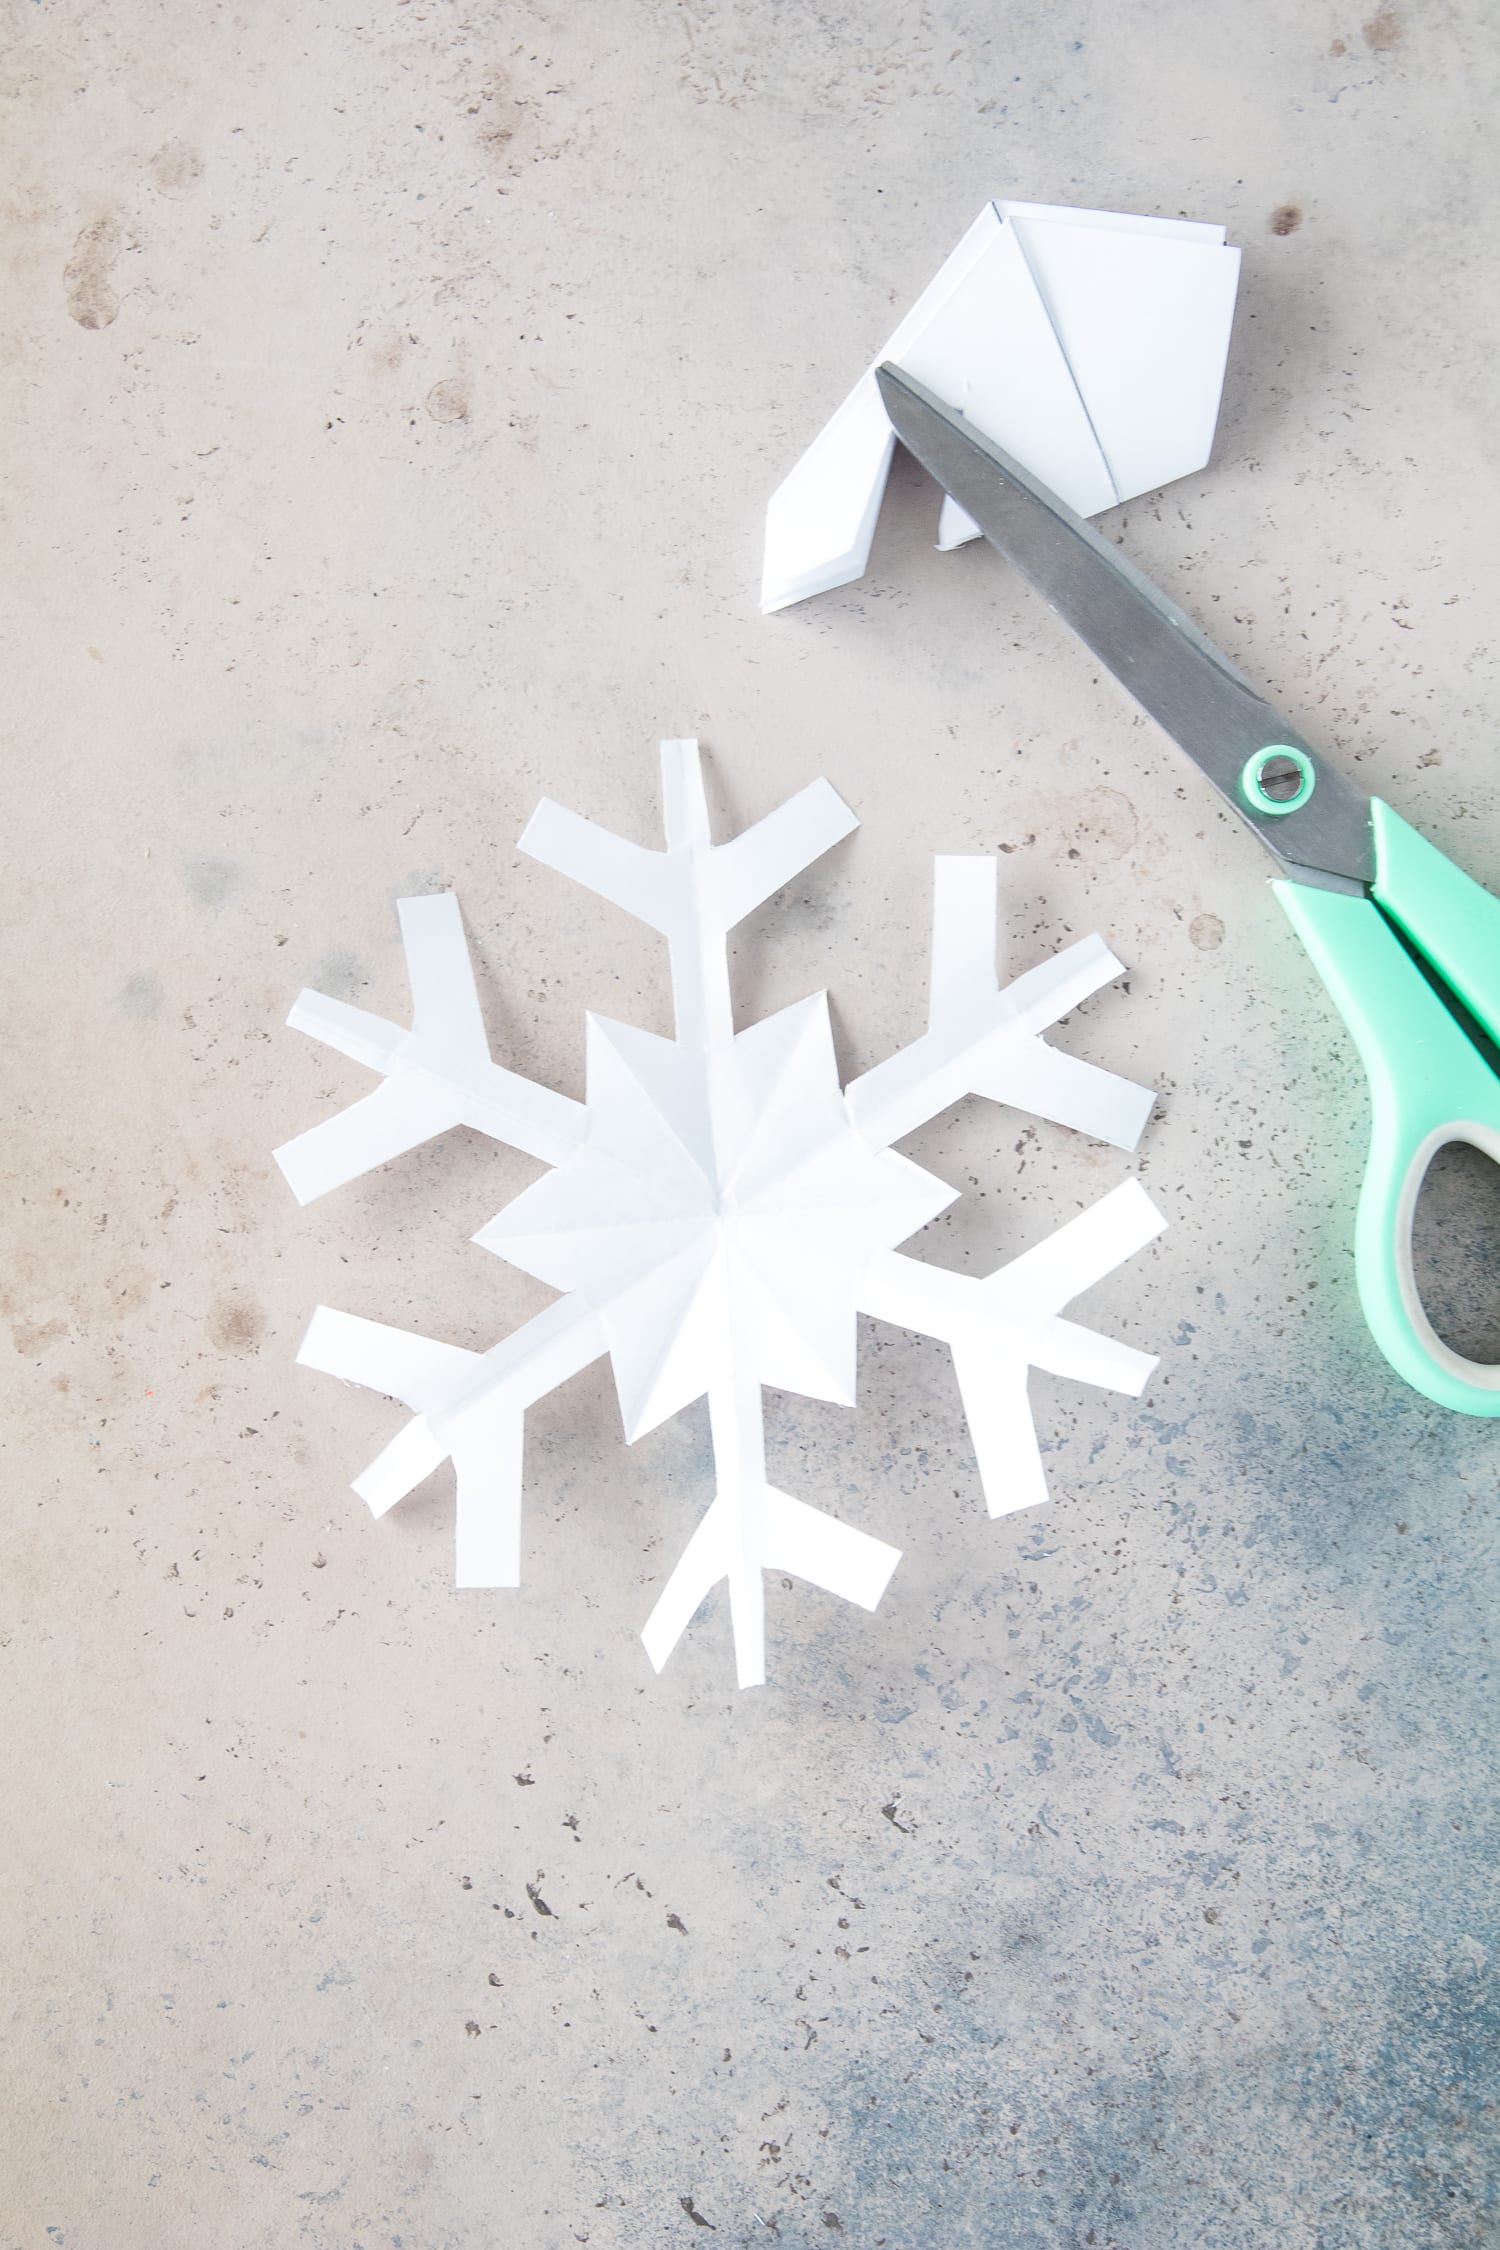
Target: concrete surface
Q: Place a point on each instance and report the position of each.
(392, 395)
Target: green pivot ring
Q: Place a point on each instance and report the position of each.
(1279, 767)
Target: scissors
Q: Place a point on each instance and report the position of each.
(1407, 945)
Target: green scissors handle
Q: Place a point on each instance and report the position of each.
(1429, 1085)
(1394, 930)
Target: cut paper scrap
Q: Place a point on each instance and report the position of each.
(1089, 344)
(719, 1209)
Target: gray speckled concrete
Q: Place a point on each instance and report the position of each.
(392, 395)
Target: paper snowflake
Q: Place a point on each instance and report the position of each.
(720, 1210)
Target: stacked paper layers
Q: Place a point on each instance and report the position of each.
(1089, 344)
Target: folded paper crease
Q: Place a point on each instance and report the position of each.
(1091, 345)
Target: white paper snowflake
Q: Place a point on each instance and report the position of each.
(720, 1211)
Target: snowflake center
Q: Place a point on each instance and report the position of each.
(726, 1196)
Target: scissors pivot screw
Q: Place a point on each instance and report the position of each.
(1277, 779)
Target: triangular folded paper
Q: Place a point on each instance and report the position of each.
(1089, 344)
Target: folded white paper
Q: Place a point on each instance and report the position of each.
(720, 1210)
(1089, 344)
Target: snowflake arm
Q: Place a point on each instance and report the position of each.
(695, 891)
(468, 1406)
(982, 1040)
(751, 1528)
(1003, 1326)
(437, 1075)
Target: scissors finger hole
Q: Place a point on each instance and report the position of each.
(1455, 1250)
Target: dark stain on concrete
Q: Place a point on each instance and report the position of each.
(141, 996)
(448, 401)
(210, 882)
(86, 276)
(175, 170)
(236, 1324)
(342, 975)
(32, 1337)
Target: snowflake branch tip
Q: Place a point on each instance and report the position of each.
(437, 1075)
(467, 1407)
(1000, 1327)
(693, 880)
(982, 1039)
(792, 1537)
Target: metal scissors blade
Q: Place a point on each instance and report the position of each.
(1322, 834)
